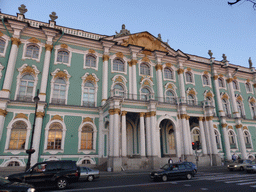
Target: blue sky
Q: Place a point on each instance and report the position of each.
(193, 26)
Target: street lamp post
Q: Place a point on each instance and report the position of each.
(30, 151)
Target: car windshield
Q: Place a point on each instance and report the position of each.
(240, 161)
(165, 167)
(3, 181)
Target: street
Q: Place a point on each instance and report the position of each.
(203, 181)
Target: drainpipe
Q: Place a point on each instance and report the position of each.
(47, 98)
(7, 54)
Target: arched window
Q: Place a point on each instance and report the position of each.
(13, 164)
(168, 73)
(32, 51)
(225, 106)
(170, 97)
(63, 56)
(217, 139)
(18, 135)
(144, 69)
(118, 65)
(221, 83)
(253, 109)
(90, 61)
(26, 88)
(206, 80)
(196, 135)
(2, 46)
(189, 77)
(118, 90)
(59, 91)
(235, 85)
(247, 139)
(248, 87)
(87, 138)
(232, 139)
(54, 136)
(191, 100)
(145, 93)
(89, 95)
(240, 107)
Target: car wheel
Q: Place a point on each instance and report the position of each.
(195, 171)
(164, 178)
(189, 176)
(241, 168)
(90, 178)
(62, 183)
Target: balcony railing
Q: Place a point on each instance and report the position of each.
(248, 145)
(88, 104)
(58, 101)
(232, 146)
(24, 98)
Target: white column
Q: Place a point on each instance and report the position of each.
(207, 136)
(3, 113)
(202, 136)
(116, 133)
(105, 79)
(153, 133)
(178, 139)
(233, 99)
(142, 136)
(148, 135)
(185, 135)
(124, 147)
(5, 92)
(45, 73)
(226, 141)
(130, 82)
(181, 84)
(134, 77)
(241, 141)
(189, 136)
(101, 135)
(217, 91)
(37, 137)
(111, 132)
(212, 135)
(159, 82)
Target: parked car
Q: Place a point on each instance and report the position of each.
(239, 165)
(6, 185)
(170, 171)
(89, 174)
(251, 168)
(194, 167)
(59, 173)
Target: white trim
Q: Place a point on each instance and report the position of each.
(57, 49)
(150, 64)
(235, 139)
(1, 69)
(219, 138)
(209, 80)
(251, 87)
(224, 83)
(15, 159)
(80, 160)
(192, 76)
(173, 73)
(6, 39)
(195, 96)
(96, 55)
(238, 85)
(124, 60)
(28, 43)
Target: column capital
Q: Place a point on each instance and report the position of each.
(152, 113)
(3, 112)
(147, 114)
(180, 71)
(254, 85)
(209, 118)
(187, 117)
(229, 80)
(223, 125)
(16, 41)
(215, 77)
(105, 57)
(124, 113)
(114, 111)
(48, 47)
(200, 118)
(40, 114)
(183, 116)
(159, 67)
(132, 62)
(239, 126)
(142, 114)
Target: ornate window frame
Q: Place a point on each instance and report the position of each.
(248, 87)
(60, 74)
(191, 91)
(150, 65)
(171, 68)
(1, 69)
(235, 85)
(121, 80)
(239, 102)
(6, 39)
(17, 117)
(121, 57)
(234, 137)
(170, 87)
(187, 72)
(252, 106)
(55, 119)
(225, 97)
(95, 54)
(217, 139)
(249, 138)
(90, 78)
(221, 81)
(63, 47)
(207, 77)
(35, 42)
(24, 70)
(147, 83)
(84, 123)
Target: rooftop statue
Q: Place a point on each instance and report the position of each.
(159, 37)
(224, 58)
(22, 9)
(53, 16)
(250, 62)
(210, 53)
(123, 32)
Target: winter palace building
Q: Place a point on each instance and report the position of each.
(120, 102)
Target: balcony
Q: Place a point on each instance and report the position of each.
(24, 98)
(58, 101)
(248, 145)
(88, 104)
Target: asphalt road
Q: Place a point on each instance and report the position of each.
(204, 181)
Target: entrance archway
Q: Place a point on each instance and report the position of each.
(167, 138)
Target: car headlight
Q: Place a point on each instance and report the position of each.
(31, 190)
(156, 173)
(228, 165)
(6, 178)
(235, 166)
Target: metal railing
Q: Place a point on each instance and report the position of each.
(58, 101)
(88, 104)
(24, 98)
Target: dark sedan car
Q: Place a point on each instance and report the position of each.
(172, 171)
(194, 167)
(6, 185)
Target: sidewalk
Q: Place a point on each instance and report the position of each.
(5, 171)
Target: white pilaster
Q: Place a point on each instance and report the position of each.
(221, 112)
(130, 82)
(153, 133)
(241, 141)
(101, 135)
(212, 135)
(189, 136)
(142, 135)
(116, 133)
(105, 79)
(134, 78)
(208, 138)
(3, 113)
(124, 145)
(111, 132)
(233, 99)
(148, 135)
(202, 136)
(185, 135)
(159, 82)
(226, 141)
